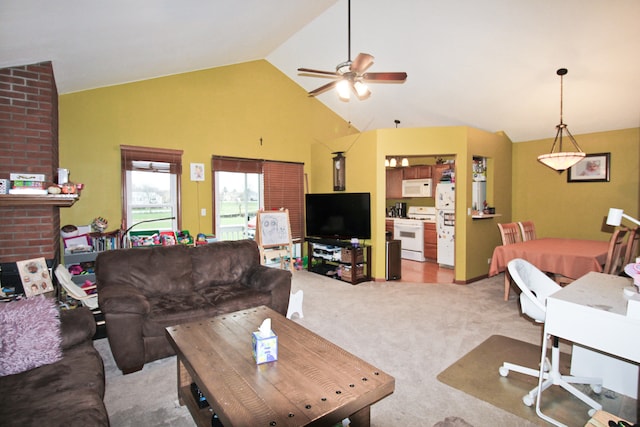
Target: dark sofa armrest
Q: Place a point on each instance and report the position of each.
(278, 282)
(76, 326)
(122, 299)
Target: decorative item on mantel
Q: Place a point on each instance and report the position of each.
(339, 171)
(27, 184)
(561, 160)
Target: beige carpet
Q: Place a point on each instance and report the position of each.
(411, 331)
(476, 373)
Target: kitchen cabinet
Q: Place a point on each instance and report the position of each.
(417, 172)
(394, 183)
(438, 170)
(388, 226)
(430, 241)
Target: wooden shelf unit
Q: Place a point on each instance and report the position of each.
(359, 260)
(62, 200)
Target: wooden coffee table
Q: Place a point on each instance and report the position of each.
(313, 382)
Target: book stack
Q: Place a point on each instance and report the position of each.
(25, 183)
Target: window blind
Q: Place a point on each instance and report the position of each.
(282, 183)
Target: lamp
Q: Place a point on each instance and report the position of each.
(343, 89)
(393, 162)
(405, 162)
(561, 160)
(615, 217)
(362, 90)
(339, 171)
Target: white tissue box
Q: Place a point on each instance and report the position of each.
(265, 349)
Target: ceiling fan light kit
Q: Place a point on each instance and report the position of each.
(350, 76)
(562, 160)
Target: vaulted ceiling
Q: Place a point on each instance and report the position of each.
(489, 64)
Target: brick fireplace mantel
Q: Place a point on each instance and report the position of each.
(28, 143)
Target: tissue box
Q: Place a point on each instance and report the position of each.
(264, 349)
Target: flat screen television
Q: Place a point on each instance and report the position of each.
(340, 216)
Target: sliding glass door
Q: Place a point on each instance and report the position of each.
(238, 197)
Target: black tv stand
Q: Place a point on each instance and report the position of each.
(330, 242)
(339, 259)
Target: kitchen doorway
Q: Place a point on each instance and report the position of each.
(425, 272)
(427, 257)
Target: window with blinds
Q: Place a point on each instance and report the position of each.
(281, 184)
(151, 188)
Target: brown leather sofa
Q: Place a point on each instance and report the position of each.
(141, 291)
(65, 393)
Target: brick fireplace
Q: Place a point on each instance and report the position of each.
(29, 143)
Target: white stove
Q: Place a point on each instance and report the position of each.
(422, 213)
(410, 231)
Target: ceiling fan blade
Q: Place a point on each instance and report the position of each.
(392, 77)
(323, 88)
(361, 63)
(310, 70)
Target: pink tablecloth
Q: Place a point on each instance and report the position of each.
(572, 258)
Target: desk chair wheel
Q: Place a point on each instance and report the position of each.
(503, 371)
(592, 412)
(597, 388)
(528, 400)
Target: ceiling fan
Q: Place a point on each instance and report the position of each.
(351, 76)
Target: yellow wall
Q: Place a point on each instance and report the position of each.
(473, 244)
(576, 210)
(221, 111)
(227, 110)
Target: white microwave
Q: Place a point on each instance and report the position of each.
(417, 187)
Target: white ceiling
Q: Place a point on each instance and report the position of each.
(488, 64)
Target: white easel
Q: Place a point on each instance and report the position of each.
(273, 235)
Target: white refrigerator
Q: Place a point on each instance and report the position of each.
(445, 223)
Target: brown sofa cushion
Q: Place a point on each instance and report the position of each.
(158, 270)
(223, 263)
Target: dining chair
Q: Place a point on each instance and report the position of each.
(510, 233)
(631, 249)
(615, 253)
(528, 230)
(536, 286)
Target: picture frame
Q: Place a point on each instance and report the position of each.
(593, 168)
(197, 171)
(35, 276)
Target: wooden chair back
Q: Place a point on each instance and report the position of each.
(631, 250)
(510, 233)
(615, 253)
(528, 230)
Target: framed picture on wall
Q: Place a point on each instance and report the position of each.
(593, 168)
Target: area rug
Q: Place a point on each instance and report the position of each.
(476, 374)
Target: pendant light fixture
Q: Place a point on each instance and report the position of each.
(561, 160)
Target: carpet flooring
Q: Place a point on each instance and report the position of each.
(412, 331)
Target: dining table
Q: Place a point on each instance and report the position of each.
(571, 258)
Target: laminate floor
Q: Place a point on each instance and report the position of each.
(425, 272)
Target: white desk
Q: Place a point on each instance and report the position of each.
(592, 312)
